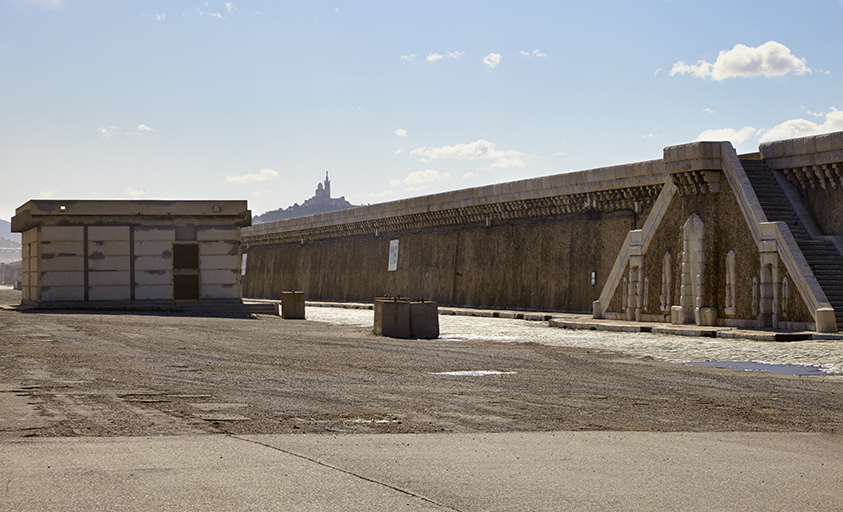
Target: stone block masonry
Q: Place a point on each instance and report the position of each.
(681, 239)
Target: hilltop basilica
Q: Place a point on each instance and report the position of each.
(321, 202)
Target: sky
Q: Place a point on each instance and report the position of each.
(394, 99)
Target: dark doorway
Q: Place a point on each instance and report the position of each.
(186, 283)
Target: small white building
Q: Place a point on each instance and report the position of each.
(80, 252)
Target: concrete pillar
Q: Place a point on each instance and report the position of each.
(292, 305)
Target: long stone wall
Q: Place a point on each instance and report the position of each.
(682, 239)
(514, 245)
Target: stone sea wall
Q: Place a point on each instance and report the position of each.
(682, 239)
(515, 245)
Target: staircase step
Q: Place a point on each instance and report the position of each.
(822, 256)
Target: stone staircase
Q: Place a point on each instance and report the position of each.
(822, 256)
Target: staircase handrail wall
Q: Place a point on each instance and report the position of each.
(637, 241)
(776, 236)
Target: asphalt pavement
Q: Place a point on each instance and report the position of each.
(634, 471)
(479, 471)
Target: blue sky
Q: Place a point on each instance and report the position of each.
(257, 100)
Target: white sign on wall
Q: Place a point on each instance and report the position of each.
(393, 255)
(243, 265)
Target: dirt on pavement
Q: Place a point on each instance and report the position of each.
(83, 374)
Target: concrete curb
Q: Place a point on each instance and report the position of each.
(587, 322)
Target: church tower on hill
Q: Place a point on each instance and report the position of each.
(324, 191)
(321, 202)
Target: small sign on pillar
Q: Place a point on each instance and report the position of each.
(393, 256)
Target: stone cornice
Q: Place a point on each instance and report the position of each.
(822, 176)
(585, 192)
(805, 152)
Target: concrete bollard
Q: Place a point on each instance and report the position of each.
(424, 320)
(292, 305)
(392, 318)
(400, 318)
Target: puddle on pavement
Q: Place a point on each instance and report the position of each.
(473, 373)
(754, 366)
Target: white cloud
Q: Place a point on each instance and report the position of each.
(106, 132)
(728, 134)
(416, 178)
(161, 17)
(769, 60)
(398, 151)
(409, 57)
(385, 193)
(789, 129)
(263, 175)
(216, 15)
(433, 57)
(657, 71)
(468, 175)
(707, 111)
(492, 60)
(477, 150)
(803, 128)
(47, 194)
(401, 132)
(534, 53)
(141, 129)
(129, 191)
(560, 153)
(229, 7)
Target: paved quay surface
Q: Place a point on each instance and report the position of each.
(428, 472)
(576, 321)
(820, 353)
(168, 412)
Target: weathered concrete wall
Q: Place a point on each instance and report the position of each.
(514, 265)
(514, 245)
(725, 231)
(535, 244)
(117, 251)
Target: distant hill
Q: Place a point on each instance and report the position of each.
(321, 202)
(301, 210)
(6, 231)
